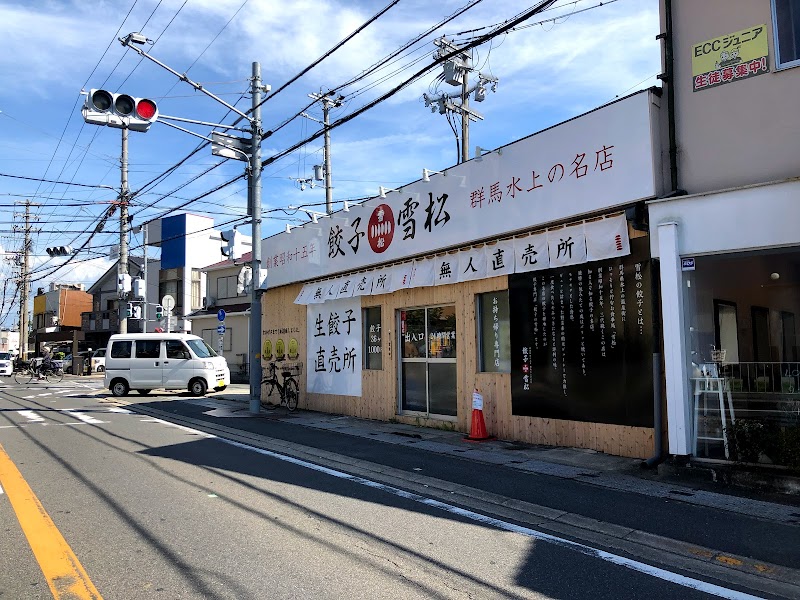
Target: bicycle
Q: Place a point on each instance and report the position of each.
(289, 391)
(27, 373)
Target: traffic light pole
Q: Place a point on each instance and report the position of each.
(254, 193)
(122, 265)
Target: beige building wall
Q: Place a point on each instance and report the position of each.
(742, 132)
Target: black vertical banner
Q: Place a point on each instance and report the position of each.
(582, 341)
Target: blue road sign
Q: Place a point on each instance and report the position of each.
(220, 328)
(220, 315)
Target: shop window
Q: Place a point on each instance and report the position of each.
(373, 336)
(742, 346)
(786, 17)
(196, 300)
(494, 339)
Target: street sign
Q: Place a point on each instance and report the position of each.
(221, 328)
(687, 264)
(230, 146)
(220, 315)
(168, 302)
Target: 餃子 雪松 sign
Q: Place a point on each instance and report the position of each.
(595, 162)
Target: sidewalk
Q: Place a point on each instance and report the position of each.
(586, 466)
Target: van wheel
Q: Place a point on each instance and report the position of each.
(198, 387)
(119, 387)
(101, 369)
(143, 392)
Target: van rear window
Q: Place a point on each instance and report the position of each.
(121, 349)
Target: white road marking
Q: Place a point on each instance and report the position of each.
(1, 490)
(31, 416)
(118, 409)
(182, 428)
(71, 395)
(628, 563)
(73, 412)
(47, 394)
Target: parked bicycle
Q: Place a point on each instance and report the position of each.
(289, 391)
(27, 373)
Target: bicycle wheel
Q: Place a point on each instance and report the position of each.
(55, 376)
(291, 393)
(268, 405)
(23, 376)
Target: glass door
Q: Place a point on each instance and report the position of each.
(428, 360)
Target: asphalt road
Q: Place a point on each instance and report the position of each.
(154, 510)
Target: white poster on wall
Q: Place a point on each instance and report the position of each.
(334, 348)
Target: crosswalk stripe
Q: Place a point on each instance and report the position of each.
(31, 416)
(81, 416)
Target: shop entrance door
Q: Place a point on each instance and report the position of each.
(428, 360)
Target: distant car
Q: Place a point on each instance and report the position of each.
(99, 360)
(6, 364)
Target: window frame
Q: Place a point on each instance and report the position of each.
(779, 63)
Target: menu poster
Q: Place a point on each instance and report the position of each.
(582, 341)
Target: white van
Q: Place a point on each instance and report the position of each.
(171, 361)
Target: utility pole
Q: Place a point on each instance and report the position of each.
(456, 73)
(327, 104)
(254, 193)
(122, 265)
(24, 281)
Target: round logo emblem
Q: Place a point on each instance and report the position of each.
(380, 230)
(280, 349)
(293, 349)
(266, 354)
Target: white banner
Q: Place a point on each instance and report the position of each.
(472, 264)
(530, 253)
(445, 269)
(567, 246)
(304, 295)
(363, 285)
(607, 238)
(499, 258)
(422, 276)
(590, 164)
(334, 348)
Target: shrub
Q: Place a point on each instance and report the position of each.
(747, 439)
(788, 451)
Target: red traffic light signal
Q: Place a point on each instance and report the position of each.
(120, 111)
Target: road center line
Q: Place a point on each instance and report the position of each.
(64, 573)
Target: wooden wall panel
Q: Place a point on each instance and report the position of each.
(379, 400)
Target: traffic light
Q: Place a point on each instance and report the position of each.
(59, 250)
(120, 111)
(159, 312)
(128, 311)
(234, 244)
(136, 312)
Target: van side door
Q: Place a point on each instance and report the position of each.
(146, 365)
(178, 366)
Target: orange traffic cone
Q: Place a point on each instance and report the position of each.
(477, 431)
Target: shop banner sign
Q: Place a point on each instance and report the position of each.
(594, 163)
(499, 258)
(530, 253)
(334, 348)
(567, 246)
(422, 275)
(582, 341)
(445, 269)
(730, 57)
(472, 264)
(607, 238)
(363, 286)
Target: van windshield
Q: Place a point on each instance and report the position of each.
(201, 349)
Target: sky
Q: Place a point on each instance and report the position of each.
(567, 60)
